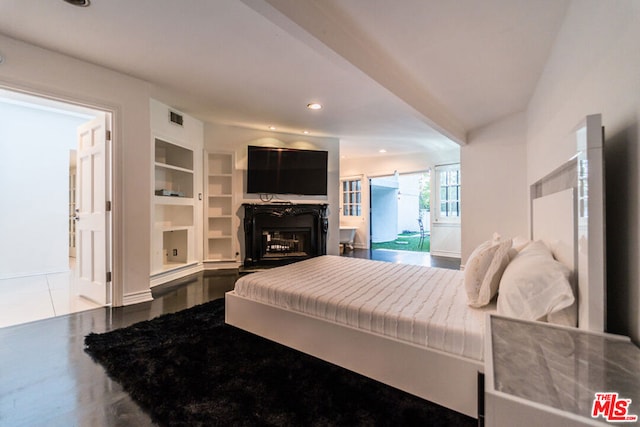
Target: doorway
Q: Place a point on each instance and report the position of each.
(36, 270)
(400, 212)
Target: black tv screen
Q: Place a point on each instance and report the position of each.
(287, 171)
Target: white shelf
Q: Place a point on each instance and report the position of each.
(168, 227)
(175, 168)
(213, 235)
(219, 219)
(220, 164)
(169, 154)
(173, 217)
(172, 200)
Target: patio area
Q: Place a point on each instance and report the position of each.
(406, 242)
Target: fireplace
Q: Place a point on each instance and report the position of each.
(281, 233)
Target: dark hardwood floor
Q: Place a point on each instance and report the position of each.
(405, 257)
(46, 378)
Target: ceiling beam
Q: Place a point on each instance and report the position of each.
(325, 23)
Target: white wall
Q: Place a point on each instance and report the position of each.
(34, 172)
(34, 69)
(409, 202)
(384, 213)
(495, 195)
(595, 68)
(235, 139)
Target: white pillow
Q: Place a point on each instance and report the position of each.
(483, 271)
(534, 286)
(520, 242)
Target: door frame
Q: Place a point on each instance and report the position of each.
(113, 172)
(428, 170)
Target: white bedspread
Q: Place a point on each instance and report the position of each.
(423, 305)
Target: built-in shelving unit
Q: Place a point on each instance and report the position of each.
(173, 170)
(219, 239)
(176, 206)
(173, 205)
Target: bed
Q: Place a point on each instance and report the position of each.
(384, 346)
(410, 326)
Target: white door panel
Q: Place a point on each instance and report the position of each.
(92, 222)
(445, 240)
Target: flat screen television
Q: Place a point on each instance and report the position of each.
(274, 170)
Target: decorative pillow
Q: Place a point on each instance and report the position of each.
(489, 286)
(535, 286)
(483, 270)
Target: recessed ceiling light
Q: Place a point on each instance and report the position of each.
(272, 128)
(306, 132)
(81, 3)
(382, 151)
(314, 106)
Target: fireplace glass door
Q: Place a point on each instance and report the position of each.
(285, 243)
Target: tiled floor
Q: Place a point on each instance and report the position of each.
(30, 298)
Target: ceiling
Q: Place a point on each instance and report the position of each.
(406, 76)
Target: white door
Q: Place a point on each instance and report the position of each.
(92, 216)
(446, 228)
(72, 207)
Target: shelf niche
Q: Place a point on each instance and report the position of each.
(175, 247)
(219, 244)
(173, 170)
(173, 207)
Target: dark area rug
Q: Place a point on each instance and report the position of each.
(190, 368)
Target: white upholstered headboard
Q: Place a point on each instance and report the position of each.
(554, 222)
(567, 213)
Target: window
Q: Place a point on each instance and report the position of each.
(448, 192)
(352, 197)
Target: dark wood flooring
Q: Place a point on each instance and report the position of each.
(46, 378)
(405, 257)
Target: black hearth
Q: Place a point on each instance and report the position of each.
(281, 233)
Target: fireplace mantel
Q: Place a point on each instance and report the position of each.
(260, 220)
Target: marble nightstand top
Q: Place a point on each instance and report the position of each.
(563, 367)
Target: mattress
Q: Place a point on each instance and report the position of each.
(425, 306)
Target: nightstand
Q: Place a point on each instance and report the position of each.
(538, 374)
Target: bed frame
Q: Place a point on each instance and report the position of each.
(403, 365)
(443, 378)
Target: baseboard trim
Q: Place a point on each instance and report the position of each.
(137, 297)
(178, 273)
(446, 254)
(221, 265)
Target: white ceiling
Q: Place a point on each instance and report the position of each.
(398, 75)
